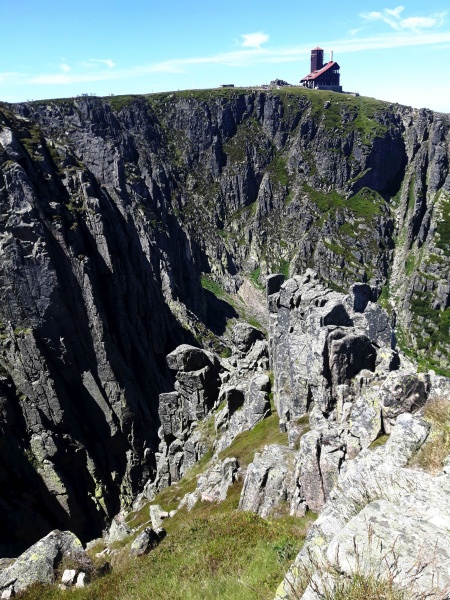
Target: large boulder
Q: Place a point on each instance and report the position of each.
(402, 392)
(39, 563)
(190, 358)
(213, 484)
(118, 531)
(245, 335)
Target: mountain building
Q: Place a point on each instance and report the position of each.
(322, 77)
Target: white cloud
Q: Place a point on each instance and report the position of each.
(92, 63)
(9, 76)
(417, 23)
(395, 12)
(64, 67)
(107, 62)
(392, 17)
(254, 40)
(250, 57)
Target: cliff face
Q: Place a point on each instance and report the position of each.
(110, 211)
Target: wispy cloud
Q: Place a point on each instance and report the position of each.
(103, 61)
(254, 40)
(248, 54)
(393, 18)
(93, 63)
(9, 77)
(254, 56)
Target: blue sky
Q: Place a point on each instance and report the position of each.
(395, 52)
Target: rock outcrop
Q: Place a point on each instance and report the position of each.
(111, 210)
(333, 358)
(381, 519)
(213, 398)
(39, 563)
(269, 481)
(196, 394)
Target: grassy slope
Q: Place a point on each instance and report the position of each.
(214, 551)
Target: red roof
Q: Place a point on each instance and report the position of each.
(316, 74)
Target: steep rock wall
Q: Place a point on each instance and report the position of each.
(110, 211)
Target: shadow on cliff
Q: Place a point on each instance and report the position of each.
(218, 312)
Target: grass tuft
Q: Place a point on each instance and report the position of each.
(437, 447)
(247, 443)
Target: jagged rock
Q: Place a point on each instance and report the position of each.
(244, 336)
(213, 484)
(318, 341)
(348, 355)
(189, 358)
(118, 531)
(196, 394)
(373, 476)
(38, 563)
(308, 473)
(387, 542)
(268, 481)
(255, 408)
(439, 386)
(146, 541)
(330, 354)
(157, 514)
(402, 392)
(365, 423)
(100, 278)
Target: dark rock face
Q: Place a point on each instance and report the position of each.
(110, 211)
(85, 332)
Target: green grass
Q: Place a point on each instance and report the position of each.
(283, 267)
(247, 443)
(431, 333)
(254, 278)
(324, 201)
(437, 447)
(278, 170)
(210, 285)
(380, 441)
(213, 552)
(366, 202)
(443, 227)
(347, 114)
(119, 102)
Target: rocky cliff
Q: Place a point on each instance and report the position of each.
(111, 211)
